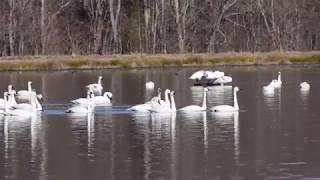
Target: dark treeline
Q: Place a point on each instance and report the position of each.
(40, 27)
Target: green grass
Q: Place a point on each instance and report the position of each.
(162, 60)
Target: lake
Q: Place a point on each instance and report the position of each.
(273, 136)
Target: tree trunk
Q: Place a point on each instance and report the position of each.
(43, 27)
(114, 21)
(11, 38)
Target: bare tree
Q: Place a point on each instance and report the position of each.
(114, 17)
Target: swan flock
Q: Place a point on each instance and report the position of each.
(26, 102)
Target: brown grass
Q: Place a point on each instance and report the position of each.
(159, 60)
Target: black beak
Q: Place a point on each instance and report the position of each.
(111, 99)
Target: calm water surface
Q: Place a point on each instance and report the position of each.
(273, 136)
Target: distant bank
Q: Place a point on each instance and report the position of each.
(158, 60)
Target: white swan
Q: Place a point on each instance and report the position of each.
(150, 85)
(223, 80)
(277, 83)
(146, 107)
(23, 95)
(164, 108)
(102, 100)
(304, 86)
(11, 98)
(17, 112)
(33, 106)
(228, 108)
(82, 109)
(194, 108)
(96, 87)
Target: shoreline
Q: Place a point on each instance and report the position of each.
(137, 61)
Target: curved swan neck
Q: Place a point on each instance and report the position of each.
(235, 100)
(204, 101)
(99, 80)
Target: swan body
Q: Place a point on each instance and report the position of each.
(17, 112)
(228, 108)
(23, 95)
(195, 107)
(96, 87)
(164, 108)
(223, 80)
(146, 107)
(304, 86)
(150, 85)
(89, 108)
(102, 100)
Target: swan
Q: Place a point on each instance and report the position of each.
(146, 107)
(276, 83)
(194, 108)
(83, 109)
(16, 112)
(150, 85)
(102, 100)
(164, 108)
(96, 100)
(223, 80)
(228, 108)
(33, 106)
(11, 92)
(23, 95)
(96, 87)
(304, 86)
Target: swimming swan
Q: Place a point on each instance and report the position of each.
(150, 85)
(33, 106)
(195, 107)
(102, 100)
(146, 107)
(164, 108)
(17, 112)
(304, 86)
(228, 108)
(96, 87)
(83, 109)
(23, 95)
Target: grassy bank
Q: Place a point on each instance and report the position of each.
(161, 60)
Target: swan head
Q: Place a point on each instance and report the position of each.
(205, 89)
(172, 93)
(108, 95)
(167, 91)
(236, 89)
(29, 83)
(100, 78)
(10, 87)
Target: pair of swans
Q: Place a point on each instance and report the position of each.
(275, 83)
(220, 108)
(96, 87)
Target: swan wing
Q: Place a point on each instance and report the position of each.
(223, 108)
(191, 108)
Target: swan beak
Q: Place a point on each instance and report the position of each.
(110, 99)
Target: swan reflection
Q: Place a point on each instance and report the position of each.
(225, 118)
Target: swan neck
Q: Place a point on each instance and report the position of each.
(6, 108)
(159, 96)
(204, 101)
(173, 104)
(235, 100)
(166, 98)
(29, 88)
(279, 78)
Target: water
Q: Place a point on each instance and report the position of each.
(274, 136)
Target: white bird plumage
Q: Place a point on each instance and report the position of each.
(83, 109)
(150, 85)
(163, 107)
(96, 87)
(193, 108)
(228, 108)
(304, 86)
